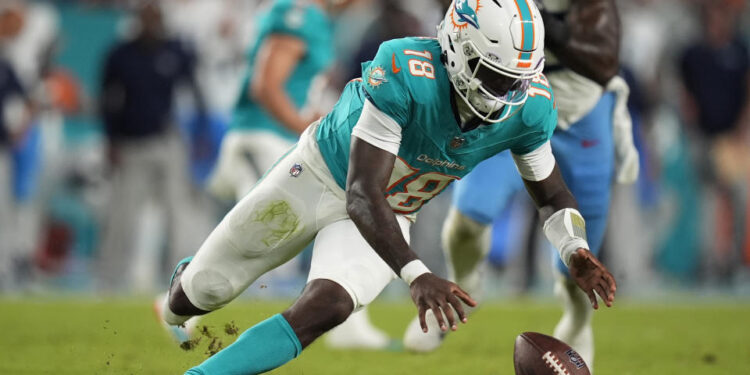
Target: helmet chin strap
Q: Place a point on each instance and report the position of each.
(483, 104)
(480, 105)
(466, 111)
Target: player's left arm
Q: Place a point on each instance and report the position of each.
(563, 224)
(587, 40)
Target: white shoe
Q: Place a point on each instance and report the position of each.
(357, 332)
(181, 333)
(417, 341)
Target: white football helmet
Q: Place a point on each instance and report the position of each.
(492, 49)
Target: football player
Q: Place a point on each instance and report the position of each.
(293, 44)
(582, 45)
(424, 114)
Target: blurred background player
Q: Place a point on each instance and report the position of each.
(15, 117)
(715, 72)
(146, 152)
(294, 44)
(293, 48)
(30, 50)
(593, 136)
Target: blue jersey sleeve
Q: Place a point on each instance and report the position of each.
(385, 87)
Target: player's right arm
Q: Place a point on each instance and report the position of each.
(369, 172)
(375, 142)
(275, 62)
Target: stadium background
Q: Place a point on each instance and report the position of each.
(677, 241)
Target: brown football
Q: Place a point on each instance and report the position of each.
(538, 354)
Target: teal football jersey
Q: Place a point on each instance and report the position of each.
(309, 23)
(407, 81)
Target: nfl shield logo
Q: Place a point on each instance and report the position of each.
(575, 358)
(295, 170)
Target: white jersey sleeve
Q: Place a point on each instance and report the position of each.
(536, 165)
(378, 129)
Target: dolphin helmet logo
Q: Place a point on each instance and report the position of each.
(464, 15)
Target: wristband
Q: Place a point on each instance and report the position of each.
(566, 230)
(412, 270)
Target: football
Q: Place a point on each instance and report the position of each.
(538, 354)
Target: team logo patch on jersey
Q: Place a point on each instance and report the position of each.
(464, 15)
(376, 77)
(295, 170)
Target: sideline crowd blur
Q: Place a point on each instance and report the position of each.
(112, 112)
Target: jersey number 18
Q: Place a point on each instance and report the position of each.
(408, 189)
(420, 68)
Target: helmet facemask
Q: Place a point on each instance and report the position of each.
(491, 53)
(491, 93)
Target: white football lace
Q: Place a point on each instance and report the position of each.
(554, 363)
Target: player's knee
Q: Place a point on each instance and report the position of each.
(210, 290)
(338, 312)
(323, 305)
(459, 231)
(333, 303)
(463, 226)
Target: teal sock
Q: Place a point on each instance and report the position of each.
(265, 346)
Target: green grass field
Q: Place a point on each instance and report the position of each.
(122, 337)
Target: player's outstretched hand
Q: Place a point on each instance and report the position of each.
(591, 276)
(430, 292)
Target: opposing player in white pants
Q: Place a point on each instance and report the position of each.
(593, 137)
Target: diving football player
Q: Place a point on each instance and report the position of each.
(424, 114)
